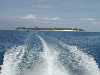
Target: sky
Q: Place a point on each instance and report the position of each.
(83, 14)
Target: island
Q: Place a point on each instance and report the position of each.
(50, 29)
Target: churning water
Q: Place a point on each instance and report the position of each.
(48, 57)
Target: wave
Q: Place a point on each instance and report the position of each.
(39, 56)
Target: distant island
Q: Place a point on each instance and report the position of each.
(49, 29)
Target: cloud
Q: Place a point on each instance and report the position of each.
(56, 18)
(51, 18)
(29, 16)
(93, 21)
(34, 17)
(90, 20)
(31, 20)
(87, 19)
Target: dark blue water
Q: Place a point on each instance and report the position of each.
(89, 41)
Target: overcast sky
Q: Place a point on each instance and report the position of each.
(50, 13)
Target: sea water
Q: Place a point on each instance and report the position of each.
(49, 53)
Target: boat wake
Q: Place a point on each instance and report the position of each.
(44, 57)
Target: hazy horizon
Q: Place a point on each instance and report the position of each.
(82, 14)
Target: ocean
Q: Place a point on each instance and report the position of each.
(49, 53)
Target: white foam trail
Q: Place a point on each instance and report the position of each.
(50, 60)
(75, 61)
(11, 59)
(81, 61)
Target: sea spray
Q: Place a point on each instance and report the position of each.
(48, 58)
(12, 58)
(79, 62)
(18, 60)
